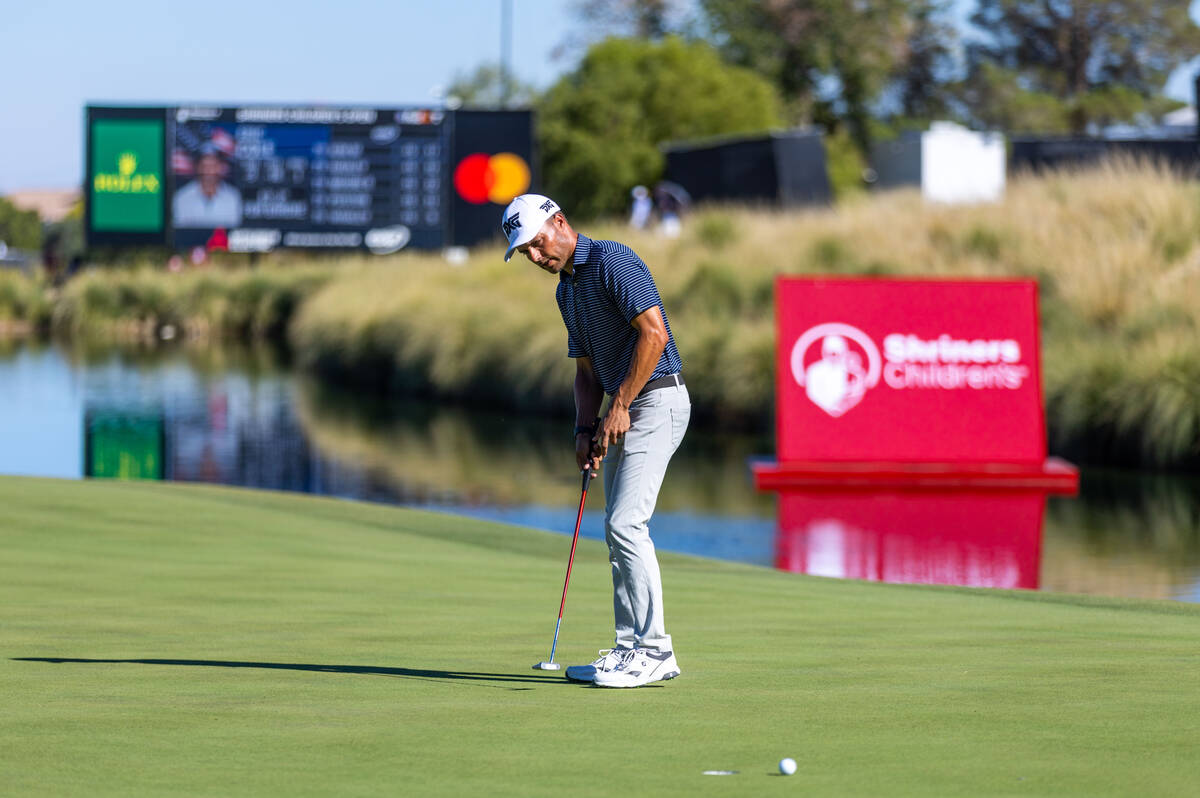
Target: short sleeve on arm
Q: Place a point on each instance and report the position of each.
(573, 347)
(628, 282)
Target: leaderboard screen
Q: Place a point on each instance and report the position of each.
(257, 178)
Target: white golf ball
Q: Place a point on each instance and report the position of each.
(787, 766)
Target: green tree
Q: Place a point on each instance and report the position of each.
(831, 60)
(487, 86)
(601, 125)
(19, 229)
(1060, 65)
(997, 101)
(642, 19)
(63, 240)
(926, 70)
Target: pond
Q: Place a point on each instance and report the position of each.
(238, 417)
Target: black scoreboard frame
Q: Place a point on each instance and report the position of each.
(467, 131)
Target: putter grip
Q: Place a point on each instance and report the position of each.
(586, 478)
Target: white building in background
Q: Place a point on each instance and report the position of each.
(960, 165)
(950, 163)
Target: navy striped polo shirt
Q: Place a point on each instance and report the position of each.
(611, 285)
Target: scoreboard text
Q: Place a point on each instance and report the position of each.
(255, 178)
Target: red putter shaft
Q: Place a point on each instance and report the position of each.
(549, 665)
(587, 476)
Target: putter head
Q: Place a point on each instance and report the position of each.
(547, 666)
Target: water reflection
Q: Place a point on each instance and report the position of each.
(478, 457)
(124, 445)
(1149, 525)
(977, 539)
(240, 417)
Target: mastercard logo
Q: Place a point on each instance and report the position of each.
(498, 178)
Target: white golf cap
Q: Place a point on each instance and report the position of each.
(524, 217)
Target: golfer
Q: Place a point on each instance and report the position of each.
(618, 333)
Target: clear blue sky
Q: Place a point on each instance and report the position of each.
(61, 54)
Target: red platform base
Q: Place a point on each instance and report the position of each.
(1053, 476)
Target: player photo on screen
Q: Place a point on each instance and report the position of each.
(206, 200)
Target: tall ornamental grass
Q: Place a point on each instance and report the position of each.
(25, 304)
(1116, 250)
(236, 304)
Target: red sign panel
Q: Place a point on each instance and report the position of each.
(908, 371)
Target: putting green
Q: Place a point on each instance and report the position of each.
(171, 639)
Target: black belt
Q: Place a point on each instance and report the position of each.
(669, 381)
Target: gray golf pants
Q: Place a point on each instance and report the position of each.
(633, 473)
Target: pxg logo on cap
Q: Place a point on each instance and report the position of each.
(511, 224)
(524, 217)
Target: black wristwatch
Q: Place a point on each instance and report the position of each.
(583, 429)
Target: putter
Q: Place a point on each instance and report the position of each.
(550, 664)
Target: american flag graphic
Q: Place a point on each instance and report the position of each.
(222, 140)
(181, 162)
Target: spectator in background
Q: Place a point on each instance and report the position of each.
(208, 201)
(643, 207)
(50, 260)
(671, 200)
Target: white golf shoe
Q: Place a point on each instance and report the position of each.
(638, 667)
(609, 659)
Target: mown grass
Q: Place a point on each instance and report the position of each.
(1115, 249)
(193, 640)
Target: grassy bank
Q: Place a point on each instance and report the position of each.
(1115, 250)
(168, 639)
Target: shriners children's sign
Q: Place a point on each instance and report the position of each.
(910, 440)
(837, 363)
(908, 370)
